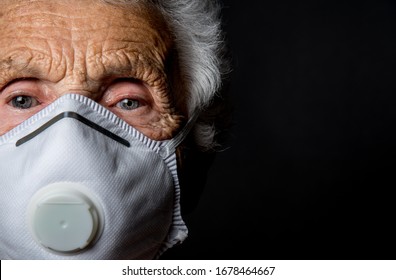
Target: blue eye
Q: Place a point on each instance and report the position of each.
(24, 102)
(128, 104)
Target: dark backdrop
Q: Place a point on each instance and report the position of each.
(310, 169)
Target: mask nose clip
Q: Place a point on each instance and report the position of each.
(63, 218)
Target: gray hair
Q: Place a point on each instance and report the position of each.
(197, 29)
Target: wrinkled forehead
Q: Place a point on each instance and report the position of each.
(57, 6)
(56, 29)
(98, 13)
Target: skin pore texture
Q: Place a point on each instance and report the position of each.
(117, 56)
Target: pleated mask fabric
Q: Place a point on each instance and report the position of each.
(109, 191)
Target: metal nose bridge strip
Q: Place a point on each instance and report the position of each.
(78, 117)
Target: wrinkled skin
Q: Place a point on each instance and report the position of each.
(114, 56)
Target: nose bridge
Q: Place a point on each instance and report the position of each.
(79, 118)
(78, 74)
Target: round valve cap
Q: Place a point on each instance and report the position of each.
(63, 218)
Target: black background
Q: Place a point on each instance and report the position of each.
(310, 168)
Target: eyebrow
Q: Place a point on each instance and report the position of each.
(14, 69)
(7, 78)
(138, 67)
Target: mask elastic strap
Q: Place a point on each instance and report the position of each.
(171, 146)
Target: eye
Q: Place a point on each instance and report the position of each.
(128, 104)
(24, 102)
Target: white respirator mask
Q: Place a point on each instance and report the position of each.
(77, 182)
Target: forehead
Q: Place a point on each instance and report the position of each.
(77, 17)
(63, 34)
(74, 8)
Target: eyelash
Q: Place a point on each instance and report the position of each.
(135, 93)
(12, 95)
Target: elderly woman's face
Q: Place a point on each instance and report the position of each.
(115, 56)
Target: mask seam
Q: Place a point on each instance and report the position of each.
(178, 230)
